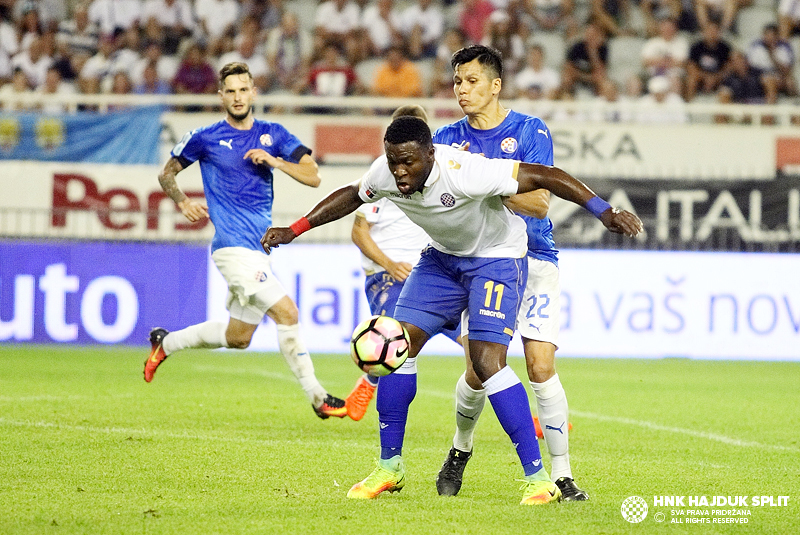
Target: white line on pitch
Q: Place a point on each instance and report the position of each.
(683, 431)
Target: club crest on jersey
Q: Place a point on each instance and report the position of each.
(261, 276)
(452, 164)
(266, 140)
(447, 200)
(509, 145)
(370, 194)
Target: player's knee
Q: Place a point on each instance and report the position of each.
(238, 341)
(539, 372)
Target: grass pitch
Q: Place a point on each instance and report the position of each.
(225, 442)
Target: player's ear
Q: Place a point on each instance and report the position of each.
(497, 86)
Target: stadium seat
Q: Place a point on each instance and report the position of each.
(554, 45)
(624, 57)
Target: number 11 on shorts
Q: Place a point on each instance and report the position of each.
(492, 288)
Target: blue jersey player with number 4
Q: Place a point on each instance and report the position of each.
(494, 131)
(237, 156)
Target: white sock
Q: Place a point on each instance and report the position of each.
(209, 334)
(299, 361)
(469, 404)
(551, 401)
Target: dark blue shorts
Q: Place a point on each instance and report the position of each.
(383, 290)
(441, 286)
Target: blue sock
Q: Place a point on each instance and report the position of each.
(395, 394)
(512, 410)
(371, 379)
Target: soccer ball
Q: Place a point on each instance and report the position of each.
(379, 345)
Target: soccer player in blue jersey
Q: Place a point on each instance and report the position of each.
(475, 263)
(490, 129)
(237, 156)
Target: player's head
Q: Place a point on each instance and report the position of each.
(411, 110)
(409, 152)
(237, 90)
(477, 73)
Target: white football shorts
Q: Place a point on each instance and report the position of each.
(252, 287)
(539, 314)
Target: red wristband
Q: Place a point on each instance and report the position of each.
(300, 226)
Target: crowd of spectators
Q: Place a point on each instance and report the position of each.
(683, 49)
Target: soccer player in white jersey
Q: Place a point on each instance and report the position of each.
(475, 264)
(390, 246)
(496, 132)
(237, 156)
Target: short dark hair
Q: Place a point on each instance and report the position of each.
(412, 110)
(489, 58)
(408, 128)
(230, 69)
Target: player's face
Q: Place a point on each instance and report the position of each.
(238, 94)
(474, 87)
(410, 163)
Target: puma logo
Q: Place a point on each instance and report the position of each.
(226, 143)
(544, 132)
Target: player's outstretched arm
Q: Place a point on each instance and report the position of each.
(535, 203)
(363, 240)
(338, 204)
(532, 176)
(306, 171)
(191, 209)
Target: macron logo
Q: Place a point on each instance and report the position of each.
(544, 133)
(228, 143)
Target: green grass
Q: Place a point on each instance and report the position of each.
(226, 443)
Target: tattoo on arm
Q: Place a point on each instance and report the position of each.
(168, 183)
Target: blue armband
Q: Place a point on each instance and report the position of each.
(597, 206)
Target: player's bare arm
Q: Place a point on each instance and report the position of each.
(535, 203)
(336, 205)
(306, 171)
(533, 176)
(191, 209)
(363, 240)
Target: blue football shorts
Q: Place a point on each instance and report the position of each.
(441, 286)
(383, 290)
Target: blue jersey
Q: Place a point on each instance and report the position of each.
(519, 137)
(238, 192)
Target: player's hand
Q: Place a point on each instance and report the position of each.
(622, 222)
(260, 156)
(275, 236)
(193, 210)
(399, 270)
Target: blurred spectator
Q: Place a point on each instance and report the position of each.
(97, 67)
(661, 105)
(721, 11)
(67, 63)
(554, 16)
(268, 13)
(174, 19)
(708, 62)
(613, 17)
(423, 26)
(473, 18)
(773, 58)
(113, 15)
(500, 36)
(151, 83)
(382, 24)
(9, 45)
(586, 62)
(537, 81)
(166, 66)
(217, 20)
(127, 55)
(18, 86)
(249, 28)
(338, 22)
(331, 76)
(743, 84)
(121, 84)
(442, 79)
(788, 18)
(195, 74)
(49, 12)
(289, 50)
(666, 54)
(655, 11)
(247, 52)
(33, 62)
(30, 26)
(397, 76)
(78, 34)
(54, 85)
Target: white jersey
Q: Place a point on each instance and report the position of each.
(461, 206)
(394, 233)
